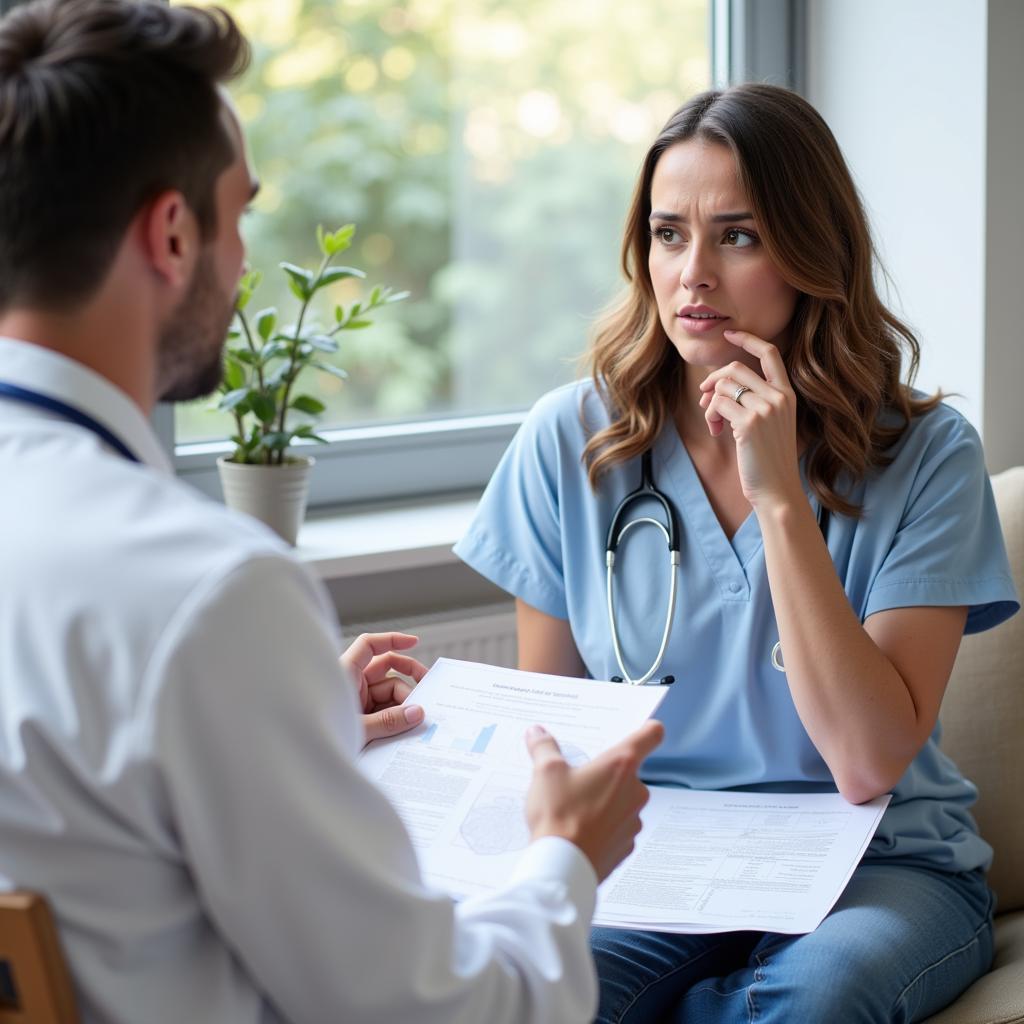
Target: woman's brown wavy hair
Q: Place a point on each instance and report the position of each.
(846, 348)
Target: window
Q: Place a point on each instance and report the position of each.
(486, 153)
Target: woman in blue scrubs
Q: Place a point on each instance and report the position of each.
(753, 358)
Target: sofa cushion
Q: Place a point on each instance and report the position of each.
(983, 715)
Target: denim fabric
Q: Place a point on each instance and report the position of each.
(901, 943)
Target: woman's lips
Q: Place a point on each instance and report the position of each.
(701, 323)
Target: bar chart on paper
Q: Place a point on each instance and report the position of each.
(436, 736)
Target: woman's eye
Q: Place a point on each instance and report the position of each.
(668, 236)
(740, 238)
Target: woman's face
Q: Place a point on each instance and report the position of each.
(709, 269)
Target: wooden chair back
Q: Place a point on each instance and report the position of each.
(35, 986)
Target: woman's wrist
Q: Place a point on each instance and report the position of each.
(781, 511)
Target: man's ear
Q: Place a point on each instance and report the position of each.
(170, 235)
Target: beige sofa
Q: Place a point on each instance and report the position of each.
(983, 731)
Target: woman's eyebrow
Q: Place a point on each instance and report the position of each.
(718, 218)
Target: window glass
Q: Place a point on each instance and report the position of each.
(486, 153)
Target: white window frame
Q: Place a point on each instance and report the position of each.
(750, 40)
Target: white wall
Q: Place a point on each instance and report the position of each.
(926, 98)
(1004, 277)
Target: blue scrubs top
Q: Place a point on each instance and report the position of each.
(928, 535)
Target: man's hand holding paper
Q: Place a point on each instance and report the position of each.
(372, 661)
(597, 806)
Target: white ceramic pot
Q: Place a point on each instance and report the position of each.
(275, 495)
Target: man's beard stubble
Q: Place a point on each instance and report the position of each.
(190, 355)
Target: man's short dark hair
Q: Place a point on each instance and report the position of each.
(104, 104)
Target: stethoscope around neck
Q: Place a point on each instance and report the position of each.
(16, 393)
(619, 527)
(616, 531)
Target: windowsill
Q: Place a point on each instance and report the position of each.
(386, 538)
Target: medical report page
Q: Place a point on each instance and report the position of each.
(459, 780)
(714, 861)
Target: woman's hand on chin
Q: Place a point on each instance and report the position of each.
(761, 411)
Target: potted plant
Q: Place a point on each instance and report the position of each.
(263, 361)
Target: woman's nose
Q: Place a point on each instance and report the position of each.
(698, 272)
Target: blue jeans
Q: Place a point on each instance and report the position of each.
(901, 943)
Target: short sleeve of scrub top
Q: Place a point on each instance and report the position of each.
(515, 539)
(939, 542)
(928, 535)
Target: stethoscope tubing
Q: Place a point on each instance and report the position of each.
(669, 613)
(616, 531)
(16, 393)
(670, 531)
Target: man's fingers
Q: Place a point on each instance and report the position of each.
(367, 646)
(390, 690)
(392, 721)
(645, 740)
(383, 664)
(542, 745)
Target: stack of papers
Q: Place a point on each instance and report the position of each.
(704, 862)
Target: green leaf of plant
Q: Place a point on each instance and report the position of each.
(334, 371)
(279, 374)
(234, 399)
(333, 242)
(332, 274)
(322, 342)
(355, 325)
(375, 295)
(248, 283)
(277, 440)
(398, 297)
(308, 404)
(301, 281)
(245, 355)
(265, 322)
(264, 408)
(307, 433)
(234, 375)
(275, 350)
(297, 272)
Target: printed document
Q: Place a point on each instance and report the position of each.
(704, 862)
(731, 861)
(459, 780)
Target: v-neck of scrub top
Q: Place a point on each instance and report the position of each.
(727, 559)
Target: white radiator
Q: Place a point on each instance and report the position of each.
(486, 634)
